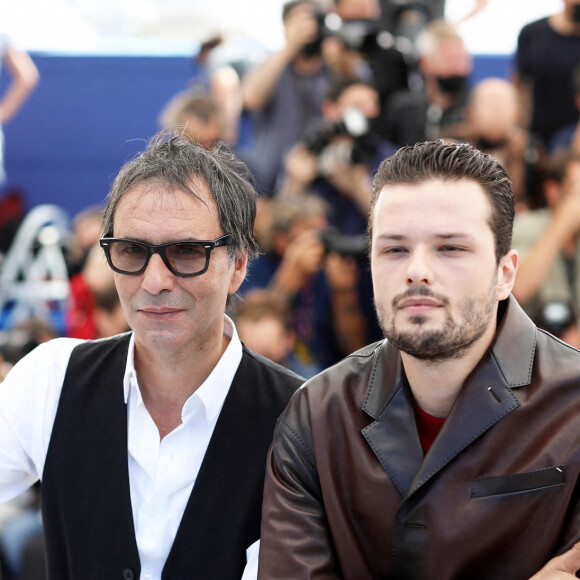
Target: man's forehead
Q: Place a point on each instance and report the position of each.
(443, 195)
(429, 185)
(161, 193)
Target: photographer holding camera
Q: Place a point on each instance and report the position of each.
(284, 93)
(336, 160)
(314, 272)
(364, 40)
(548, 242)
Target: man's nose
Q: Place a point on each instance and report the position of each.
(157, 276)
(420, 267)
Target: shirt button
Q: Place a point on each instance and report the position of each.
(128, 574)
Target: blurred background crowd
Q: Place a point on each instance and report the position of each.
(349, 83)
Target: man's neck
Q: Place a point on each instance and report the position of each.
(167, 380)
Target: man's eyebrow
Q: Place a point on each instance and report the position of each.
(455, 236)
(443, 236)
(394, 237)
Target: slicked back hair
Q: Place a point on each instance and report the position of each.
(451, 162)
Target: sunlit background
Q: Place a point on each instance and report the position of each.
(176, 26)
(108, 67)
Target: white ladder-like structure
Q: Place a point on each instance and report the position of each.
(33, 275)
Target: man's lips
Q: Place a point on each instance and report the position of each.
(418, 304)
(159, 312)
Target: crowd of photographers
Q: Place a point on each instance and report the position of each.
(318, 111)
(353, 83)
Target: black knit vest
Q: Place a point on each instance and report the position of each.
(86, 504)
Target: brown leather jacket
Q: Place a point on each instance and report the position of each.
(350, 495)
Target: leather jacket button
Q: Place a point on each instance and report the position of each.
(128, 574)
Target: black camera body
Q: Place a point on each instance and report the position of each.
(353, 246)
(353, 123)
(318, 139)
(360, 35)
(555, 317)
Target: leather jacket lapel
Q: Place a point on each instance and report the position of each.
(393, 435)
(394, 440)
(483, 401)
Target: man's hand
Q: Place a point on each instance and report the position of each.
(301, 167)
(561, 567)
(341, 272)
(302, 258)
(300, 28)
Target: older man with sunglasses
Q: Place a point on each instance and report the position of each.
(151, 445)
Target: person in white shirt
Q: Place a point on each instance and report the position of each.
(151, 445)
(23, 76)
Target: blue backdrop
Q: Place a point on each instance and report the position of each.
(90, 114)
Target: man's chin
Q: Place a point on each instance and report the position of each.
(420, 341)
(158, 341)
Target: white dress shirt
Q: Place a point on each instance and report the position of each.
(161, 473)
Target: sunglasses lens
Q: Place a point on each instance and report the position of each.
(186, 258)
(128, 256)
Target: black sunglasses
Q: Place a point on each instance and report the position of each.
(181, 258)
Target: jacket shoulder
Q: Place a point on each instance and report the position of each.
(368, 350)
(346, 382)
(355, 362)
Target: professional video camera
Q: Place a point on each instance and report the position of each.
(354, 246)
(360, 150)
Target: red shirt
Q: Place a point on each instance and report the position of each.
(428, 426)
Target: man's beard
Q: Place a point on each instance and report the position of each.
(453, 339)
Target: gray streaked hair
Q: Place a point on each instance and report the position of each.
(173, 163)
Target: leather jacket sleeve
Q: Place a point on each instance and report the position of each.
(295, 538)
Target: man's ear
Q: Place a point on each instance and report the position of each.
(239, 269)
(506, 274)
